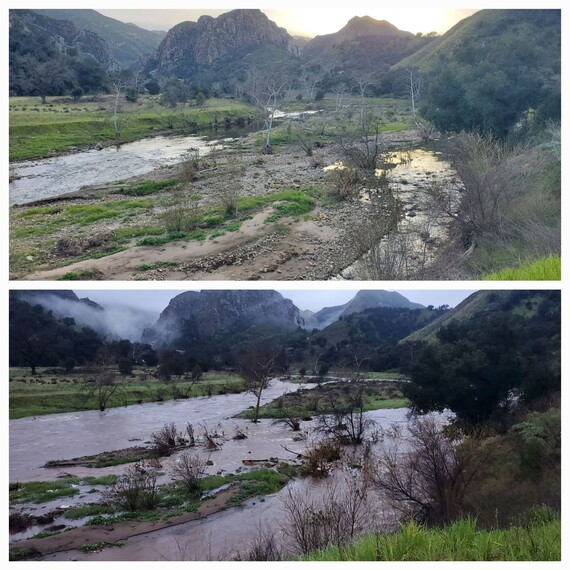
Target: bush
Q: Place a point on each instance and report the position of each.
(136, 489)
(189, 469)
(318, 458)
(165, 439)
(343, 183)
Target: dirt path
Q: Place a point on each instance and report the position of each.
(256, 251)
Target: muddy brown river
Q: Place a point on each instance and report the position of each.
(34, 441)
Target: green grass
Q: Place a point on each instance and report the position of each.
(103, 480)
(545, 269)
(43, 491)
(47, 393)
(157, 265)
(175, 501)
(80, 215)
(79, 275)
(54, 129)
(254, 483)
(461, 541)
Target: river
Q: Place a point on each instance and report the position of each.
(33, 180)
(51, 177)
(36, 440)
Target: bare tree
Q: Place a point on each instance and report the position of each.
(265, 87)
(189, 468)
(103, 386)
(494, 176)
(339, 90)
(363, 80)
(338, 516)
(346, 423)
(310, 82)
(257, 364)
(119, 81)
(364, 151)
(136, 489)
(425, 475)
(105, 383)
(412, 84)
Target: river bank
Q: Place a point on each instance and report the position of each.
(287, 227)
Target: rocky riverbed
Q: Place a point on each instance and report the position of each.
(317, 245)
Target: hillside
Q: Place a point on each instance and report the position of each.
(364, 44)
(128, 43)
(226, 315)
(362, 300)
(490, 69)
(190, 46)
(524, 303)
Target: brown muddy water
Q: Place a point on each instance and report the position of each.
(34, 441)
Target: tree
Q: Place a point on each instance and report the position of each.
(152, 87)
(265, 87)
(363, 80)
(495, 176)
(135, 489)
(125, 366)
(347, 423)
(413, 85)
(257, 365)
(189, 468)
(120, 81)
(425, 475)
(46, 77)
(103, 386)
(482, 368)
(174, 91)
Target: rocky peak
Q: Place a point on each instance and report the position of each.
(211, 39)
(207, 313)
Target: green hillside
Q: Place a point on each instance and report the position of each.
(491, 70)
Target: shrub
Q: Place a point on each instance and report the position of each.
(189, 469)
(136, 489)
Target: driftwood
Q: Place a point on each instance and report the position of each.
(268, 462)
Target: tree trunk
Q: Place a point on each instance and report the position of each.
(256, 411)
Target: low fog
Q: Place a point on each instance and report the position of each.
(112, 320)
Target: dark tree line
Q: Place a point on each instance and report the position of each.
(38, 338)
(485, 367)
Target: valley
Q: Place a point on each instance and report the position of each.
(234, 406)
(296, 174)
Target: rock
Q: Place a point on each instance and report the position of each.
(98, 146)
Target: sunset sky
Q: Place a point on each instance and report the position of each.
(310, 21)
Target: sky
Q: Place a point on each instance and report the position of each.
(314, 299)
(306, 21)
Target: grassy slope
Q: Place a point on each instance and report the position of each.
(460, 541)
(545, 269)
(477, 302)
